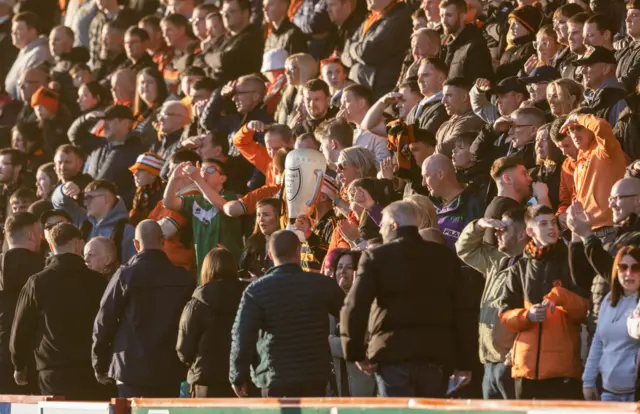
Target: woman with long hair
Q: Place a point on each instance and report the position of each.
(28, 138)
(46, 181)
(204, 338)
(298, 69)
(353, 163)
(355, 383)
(254, 261)
(549, 161)
(87, 130)
(564, 95)
(151, 93)
(614, 352)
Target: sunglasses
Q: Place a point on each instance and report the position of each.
(634, 268)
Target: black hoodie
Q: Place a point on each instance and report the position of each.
(204, 339)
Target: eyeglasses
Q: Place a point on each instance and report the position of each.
(617, 198)
(209, 170)
(633, 268)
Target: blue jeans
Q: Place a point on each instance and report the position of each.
(607, 396)
(409, 379)
(497, 383)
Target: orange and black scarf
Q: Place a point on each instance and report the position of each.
(537, 252)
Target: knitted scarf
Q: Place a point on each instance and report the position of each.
(537, 252)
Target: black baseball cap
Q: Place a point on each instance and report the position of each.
(541, 74)
(509, 84)
(596, 54)
(118, 112)
(54, 213)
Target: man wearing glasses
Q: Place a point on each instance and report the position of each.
(211, 227)
(624, 202)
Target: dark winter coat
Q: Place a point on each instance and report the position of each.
(136, 329)
(204, 339)
(414, 312)
(376, 57)
(283, 317)
(55, 313)
(468, 55)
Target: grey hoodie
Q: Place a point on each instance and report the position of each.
(613, 352)
(30, 56)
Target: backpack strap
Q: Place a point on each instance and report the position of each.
(118, 234)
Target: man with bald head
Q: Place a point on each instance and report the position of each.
(123, 86)
(101, 255)
(136, 330)
(173, 119)
(624, 202)
(456, 204)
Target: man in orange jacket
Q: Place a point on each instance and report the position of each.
(543, 306)
(601, 162)
(276, 136)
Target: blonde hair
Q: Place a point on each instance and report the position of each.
(362, 159)
(426, 209)
(567, 89)
(307, 64)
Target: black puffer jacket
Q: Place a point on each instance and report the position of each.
(628, 69)
(627, 129)
(468, 55)
(514, 58)
(204, 339)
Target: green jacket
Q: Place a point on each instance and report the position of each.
(495, 340)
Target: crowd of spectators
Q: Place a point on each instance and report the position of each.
(475, 235)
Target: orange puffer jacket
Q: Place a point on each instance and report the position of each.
(550, 349)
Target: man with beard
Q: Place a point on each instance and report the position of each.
(69, 163)
(465, 50)
(317, 107)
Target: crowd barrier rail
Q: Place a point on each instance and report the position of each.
(15, 404)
